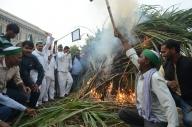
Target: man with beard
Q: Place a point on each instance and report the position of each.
(177, 69)
(42, 53)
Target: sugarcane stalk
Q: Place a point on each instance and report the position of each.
(110, 14)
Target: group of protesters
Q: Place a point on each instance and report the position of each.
(34, 73)
(28, 74)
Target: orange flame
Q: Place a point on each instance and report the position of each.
(95, 95)
(123, 97)
(109, 90)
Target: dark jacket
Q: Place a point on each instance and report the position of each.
(27, 64)
(184, 75)
(5, 42)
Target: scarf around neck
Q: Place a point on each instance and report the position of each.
(145, 110)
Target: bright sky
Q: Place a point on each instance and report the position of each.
(60, 17)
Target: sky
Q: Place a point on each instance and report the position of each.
(61, 17)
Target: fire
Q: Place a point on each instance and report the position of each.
(123, 97)
(109, 90)
(95, 95)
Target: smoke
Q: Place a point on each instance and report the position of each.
(125, 16)
(102, 49)
(105, 46)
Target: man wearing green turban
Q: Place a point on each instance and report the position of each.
(152, 56)
(154, 103)
(10, 58)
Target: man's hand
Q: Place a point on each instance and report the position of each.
(173, 85)
(35, 88)
(27, 90)
(124, 41)
(31, 112)
(3, 124)
(118, 34)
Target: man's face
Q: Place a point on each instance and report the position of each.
(143, 62)
(166, 52)
(27, 50)
(14, 60)
(66, 50)
(39, 47)
(11, 34)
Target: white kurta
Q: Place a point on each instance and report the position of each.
(43, 59)
(50, 79)
(64, 65)
(163, 105)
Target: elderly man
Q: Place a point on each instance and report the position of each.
(9, 70)
(155, 105)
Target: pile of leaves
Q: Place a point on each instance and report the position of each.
(75, 113)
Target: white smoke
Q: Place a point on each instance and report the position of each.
(125, 14)
(105, 45)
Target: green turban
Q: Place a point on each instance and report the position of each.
(152, 56)
(10, 51)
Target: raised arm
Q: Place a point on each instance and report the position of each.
(130, 52)
(49, 42)
(123, 40)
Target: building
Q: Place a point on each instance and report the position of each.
(27, 30)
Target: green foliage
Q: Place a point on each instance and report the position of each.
(161, 25)
(68, 112)
(73, 50)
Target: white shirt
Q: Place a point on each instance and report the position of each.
(64, 62)
(163, 105)
(42, 57)
(51, 68)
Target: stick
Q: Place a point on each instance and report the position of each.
(110, 14)
(63, 36)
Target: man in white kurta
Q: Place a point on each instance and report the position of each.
(50, 78)
(64, 65)
(41, 52)
(155, 105)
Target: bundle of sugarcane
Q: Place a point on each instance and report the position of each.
(76, 113)
(160, 25)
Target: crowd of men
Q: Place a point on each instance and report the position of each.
(28, 75)
(28, 72)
